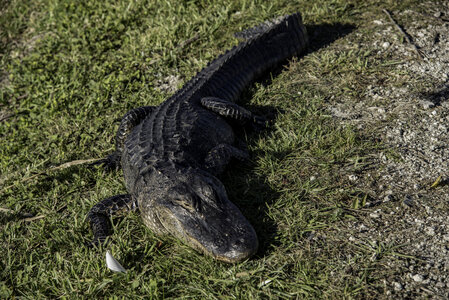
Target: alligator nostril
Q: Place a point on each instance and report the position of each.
(238, 243)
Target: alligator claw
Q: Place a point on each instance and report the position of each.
(259, 123)
(109, 163)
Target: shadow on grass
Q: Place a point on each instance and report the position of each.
(249, 191)
(322, 35)
(438, 96)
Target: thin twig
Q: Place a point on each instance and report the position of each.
(6, 210)
(405, 34)
(22, 215)
(34, 218)
(60, 167)
(5, 116)
(188, 41)
(22, 96)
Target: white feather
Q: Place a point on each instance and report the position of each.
(113, 264)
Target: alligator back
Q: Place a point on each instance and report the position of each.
(180, 130)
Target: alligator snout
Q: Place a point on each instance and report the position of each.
(230, 239)
(240, 249)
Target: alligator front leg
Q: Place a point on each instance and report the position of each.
(231, 110)
(220, 156)
(130, 120)
(100, 214)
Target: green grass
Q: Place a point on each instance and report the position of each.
(69, 71)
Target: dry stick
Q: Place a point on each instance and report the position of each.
(60, 167)
(5, 116)
(34, 218)
(10, 211)
(188, 41)
(405, 34)
(27, 216)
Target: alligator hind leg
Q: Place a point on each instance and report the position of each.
(130, 120)
(220, 156)
(231, 110)
(100, 214)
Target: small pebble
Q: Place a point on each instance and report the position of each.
(353, 177)
(418, 278)
(397, 286)
(388, 198)
(426, 104)
(430, 231)
(374, 215)
(408, 201)
(385, 45)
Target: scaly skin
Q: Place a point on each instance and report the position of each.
(172, 154)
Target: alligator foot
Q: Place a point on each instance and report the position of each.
(130, 120)
(99, 215)
(220, 156)
(110, 162)
(233, 111)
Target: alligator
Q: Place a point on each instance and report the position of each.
(172, 154)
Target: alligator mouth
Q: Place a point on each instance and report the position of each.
(224, 234)
(229, 256)
(237, 244)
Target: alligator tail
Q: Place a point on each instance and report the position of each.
(267, 45)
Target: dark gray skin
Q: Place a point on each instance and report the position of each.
(171, 154)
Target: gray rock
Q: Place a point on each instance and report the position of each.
(426, 104)
(418, 278)
(397, 286)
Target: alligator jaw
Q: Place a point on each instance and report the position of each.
(225, 235)
(231, 241)
(199, 212)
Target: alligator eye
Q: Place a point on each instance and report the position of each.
(210, 196)
(208, 192)
(187, 205)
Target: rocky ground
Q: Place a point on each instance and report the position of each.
(409, 207)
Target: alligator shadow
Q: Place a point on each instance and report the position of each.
(245, 186)
(320, 36)
(437, 96)
(323, 35)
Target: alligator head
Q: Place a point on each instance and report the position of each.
(193, 206)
